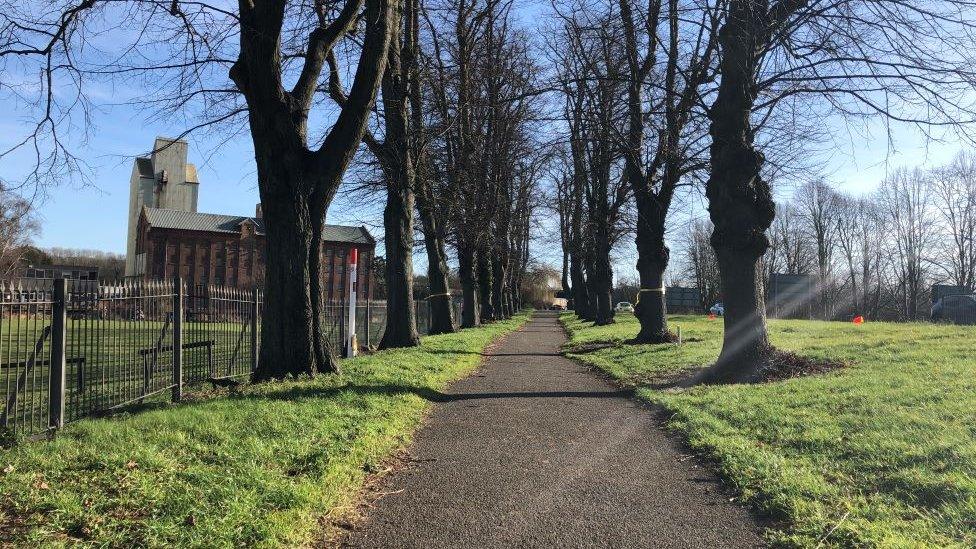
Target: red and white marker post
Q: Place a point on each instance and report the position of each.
(351, 345)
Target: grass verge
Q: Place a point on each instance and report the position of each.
(258, 468)
(881, 453)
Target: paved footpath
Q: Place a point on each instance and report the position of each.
(535, 450)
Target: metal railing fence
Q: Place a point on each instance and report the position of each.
(71, 349)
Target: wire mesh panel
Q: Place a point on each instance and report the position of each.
(377, 321)
(335, 319)
(422, 309)
(217, 333)
(25, 356)
(119, 346)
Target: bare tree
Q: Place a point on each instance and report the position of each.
(819, 207)
(592, 68)
(654, 176)
(430, 204)
(901, 61)
(858, 228)
(397, 154)
(792, 247)
(483, 88)
(562, 204)
(954, 198)
(187, 50)
(456, 39)
(905, 200)
(700, 264)
(17, 226)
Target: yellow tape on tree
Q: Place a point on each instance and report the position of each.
(642, 290)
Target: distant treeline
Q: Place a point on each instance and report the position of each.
(111, 266)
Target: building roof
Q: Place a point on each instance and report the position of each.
(216, 223)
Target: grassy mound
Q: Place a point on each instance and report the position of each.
(259, 468)
(879, 453)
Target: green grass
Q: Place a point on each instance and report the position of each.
(259, 468)
(879, 454)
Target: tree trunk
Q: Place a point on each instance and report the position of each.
(745, 343)
(651, 307)
(441, 314)
(401, 316)
(291, 342)
(564, 279)
(297, 184)
(603, 281)
(396, 157)
(652, 260)
(485, 285)
(739, 202)
(497, 289)
(325, 355)
(581, 296)
(507, 300)
(469, 300)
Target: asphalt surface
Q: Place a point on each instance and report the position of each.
(535, 450)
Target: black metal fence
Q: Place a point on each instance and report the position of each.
(371, 319)
(70, 349)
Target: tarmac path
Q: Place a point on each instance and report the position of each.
(536, 450)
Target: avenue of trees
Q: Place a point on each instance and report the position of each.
(641, 104)
(719, 96)
(440, 95)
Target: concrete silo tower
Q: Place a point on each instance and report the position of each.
(162, 180)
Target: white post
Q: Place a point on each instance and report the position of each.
(351, 345)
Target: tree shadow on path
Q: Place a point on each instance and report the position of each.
(488, 354)
(431, 395)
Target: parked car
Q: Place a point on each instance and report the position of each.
(718, 309)
(624, 306)
(958, 309)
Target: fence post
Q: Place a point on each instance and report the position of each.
(177, 339)
(59, 319)
(254, 329)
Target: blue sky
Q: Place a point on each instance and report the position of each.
(93, 216)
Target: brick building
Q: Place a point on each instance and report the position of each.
(167, 236)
